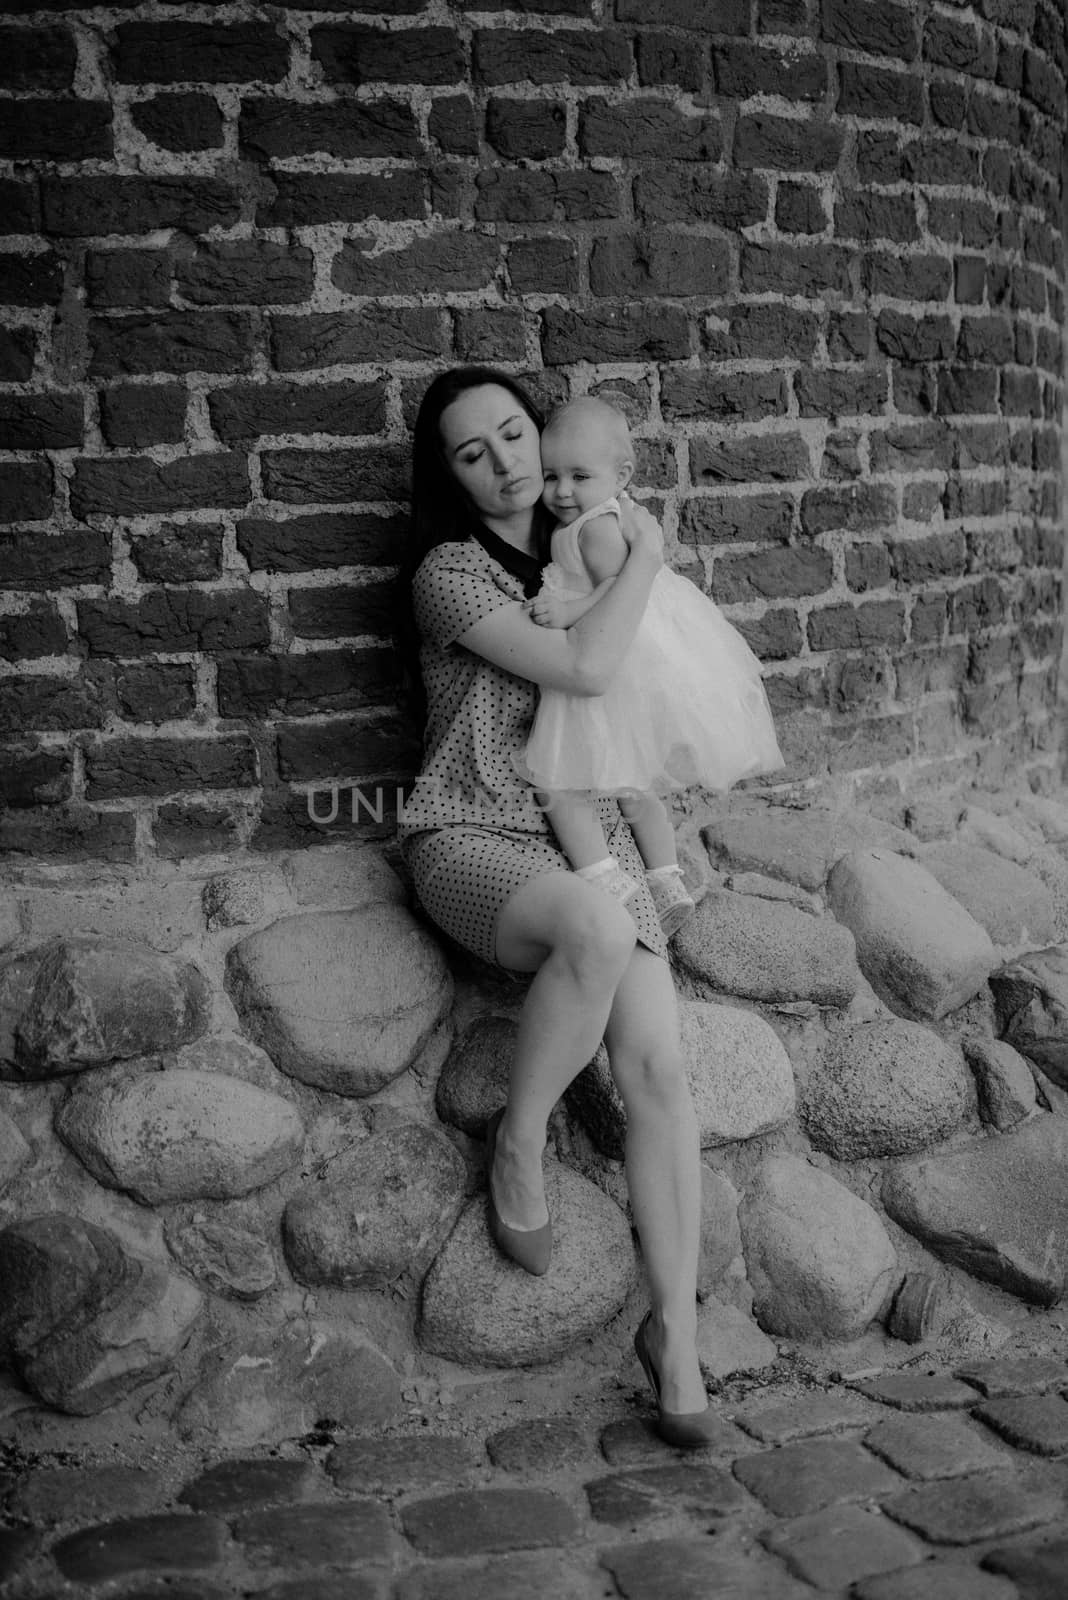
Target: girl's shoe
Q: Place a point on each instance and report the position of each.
(686, 1430)
(609, 876)
(672, 901)
(529, 1248)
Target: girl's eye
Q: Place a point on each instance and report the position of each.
(513, 436)
(469, 461)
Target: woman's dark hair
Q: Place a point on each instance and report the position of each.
(442, 510)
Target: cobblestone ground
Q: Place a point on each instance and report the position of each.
(926, 1483)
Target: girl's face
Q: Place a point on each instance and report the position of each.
(491, 446)
(581, 469)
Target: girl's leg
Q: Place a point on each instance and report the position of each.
(576, 825)
(663, 1168)
(578, 942)
(651, 827)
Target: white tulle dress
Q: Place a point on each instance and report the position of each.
(686, 706)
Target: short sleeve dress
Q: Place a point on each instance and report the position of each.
(471, 830)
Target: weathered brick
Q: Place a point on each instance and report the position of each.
(879, 156)
(50, 704)
(918, 561)
(876, 622)
(452, 125)
(940, 162)
(30, 279)
(379, 472)
(515, 195)
(37, 58)
(19, 210)
(74, 833)
(41, 421)
(915, 338)
(756, 458)
(662, 263)
(878, 29)
(667, 58)
(140, 278)
(307, 684)
(526, 129)
(772, 574)
(142, 414)
(34, 777)
(914, 389)
(985, 339)
(174, 620)
(1036, 1568)
(770, 331)
(741, 396)
(193, 830)
(874, 92)
(53, 560)
(479, 1521)
(962, 498)
(343, 612)
(775, 636)
(729, 16)
(308, 750)
(717, 519)
(251, 1484)
(841, 455)
(543, 265)
(507, 55)
(614, 333)
(973, 223)
(866, 215)
(675, 193)
(55, 130)
(192, 52)
(350, 128)
(28, 635)
(341, 338)
(867, 566)
(923, 672)
(488, 336)
(130, 485)
(179, 121)
(91, 207)
(322, 540)
(1021, 395)
(446, 261)
(912, 448)
(1038, 1423)
(249, 410)
(126, 766)
(743, 69)
(858, 684)
(251, 272)
(360, 54)
(908, 277)
(832, 1549)
(782, 16)
(179, 552)
(799, 209)
(826, 393)
(159, 691)
(794, 269)
(647, 129)
(25, 492)
(991, 118)
(978, 605)
(787, 144)
(948, 101)
(174, 341)
(855, 507)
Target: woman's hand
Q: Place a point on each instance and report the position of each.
(641, 531)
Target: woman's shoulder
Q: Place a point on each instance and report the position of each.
(455, 555)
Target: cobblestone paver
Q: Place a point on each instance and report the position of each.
(908, 1485)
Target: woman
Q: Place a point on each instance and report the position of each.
(488, 871)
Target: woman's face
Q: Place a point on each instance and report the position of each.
(491, 446)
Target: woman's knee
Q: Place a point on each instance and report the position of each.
(595, 935)
(651, 1074)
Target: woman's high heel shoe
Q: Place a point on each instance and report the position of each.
(529, 1248)
(686, 1430)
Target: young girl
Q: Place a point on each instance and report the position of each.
(685, 707)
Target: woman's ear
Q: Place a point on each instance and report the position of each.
(624, 473)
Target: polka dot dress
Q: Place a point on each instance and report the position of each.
(471, 831)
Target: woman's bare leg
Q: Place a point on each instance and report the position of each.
(663, 1168)
(577, 941)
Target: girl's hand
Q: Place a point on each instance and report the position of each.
(641, 531)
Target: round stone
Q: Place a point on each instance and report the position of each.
(885, 1087)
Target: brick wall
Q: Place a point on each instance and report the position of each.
(813, 246)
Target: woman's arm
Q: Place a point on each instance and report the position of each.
(581, 659)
